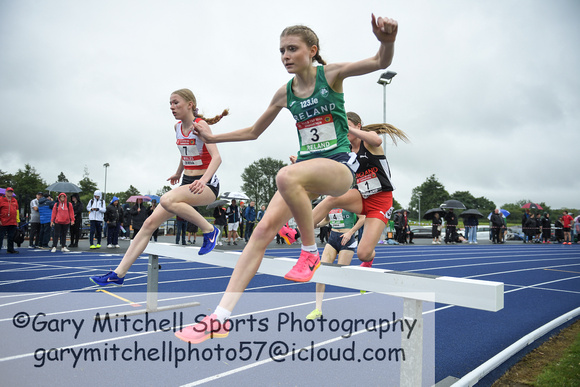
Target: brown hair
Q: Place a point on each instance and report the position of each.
(188, 96)
(394, 132)
(308, 36)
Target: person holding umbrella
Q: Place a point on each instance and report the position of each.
(198, 164)
(436, 229)
(63, 215)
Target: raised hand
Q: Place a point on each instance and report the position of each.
(385, 29)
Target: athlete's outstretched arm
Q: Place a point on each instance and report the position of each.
(201, 128)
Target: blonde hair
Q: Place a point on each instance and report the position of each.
(188, 96)
(308, 36)
(393, 132)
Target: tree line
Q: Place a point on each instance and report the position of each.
(259, 183)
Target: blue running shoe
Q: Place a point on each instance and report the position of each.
(209, 241)
(110, 278)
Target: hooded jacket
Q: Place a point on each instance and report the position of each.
(114, 213)
(62, 212)
(96, 207)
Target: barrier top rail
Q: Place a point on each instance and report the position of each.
(469, 293)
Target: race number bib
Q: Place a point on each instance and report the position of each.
(368, 185)
(317, 134)
(189, 153)
(336, 219)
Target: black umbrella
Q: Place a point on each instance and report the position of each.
(471, 212)
(63, 186)
(456, 204)
(430, 214)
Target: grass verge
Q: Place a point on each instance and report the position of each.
(555, 363)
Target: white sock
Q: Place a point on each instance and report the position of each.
(310, 249)
(222, 314)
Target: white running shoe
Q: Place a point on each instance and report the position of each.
(109, 246)
(65, 250)
(53, 250)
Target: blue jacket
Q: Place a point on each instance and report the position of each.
(45, 210)
(250, 214)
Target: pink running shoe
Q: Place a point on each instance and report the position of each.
(304, 268)
(208, 328)
(288, 234)
(367, 264)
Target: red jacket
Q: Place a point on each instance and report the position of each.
(567, 220)
(62, 212)
(8, 211)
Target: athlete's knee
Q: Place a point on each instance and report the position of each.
(285, 178)
(365, 253)
(167, 201)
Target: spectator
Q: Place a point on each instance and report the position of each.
(233, 215)
(242, 208)
(45, 205)
(450, 227)
(150, 211)
(219, 214)
(261, 213)
(139, 212)
(75, 229)
(546, 228)
(567, 221)
(250, 216)
(538, 228)
(192, 230)
(114, 219)
(436, 229)
(530, 228)
(525, 217)
(126, 221)
(577, 227)
(180, 230)
(34, 235)
(406, 232)
(63, 215)
(471, 224)
(8, 219)
(96, 209)
(496, 225)
(559, 230)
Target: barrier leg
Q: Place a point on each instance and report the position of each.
(152, 282)
(412, 366)
(152, 292)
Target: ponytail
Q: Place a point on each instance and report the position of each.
(211, 121)
(394, 132)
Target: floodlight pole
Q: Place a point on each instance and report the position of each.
(384, 80)
(419, 193)
(106, 165)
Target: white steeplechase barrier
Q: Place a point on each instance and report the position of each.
(413, 288)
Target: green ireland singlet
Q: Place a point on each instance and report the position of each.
(340, 218)
(320, 120)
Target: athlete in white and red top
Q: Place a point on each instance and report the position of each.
(198, 164)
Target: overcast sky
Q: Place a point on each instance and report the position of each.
(488, 91)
